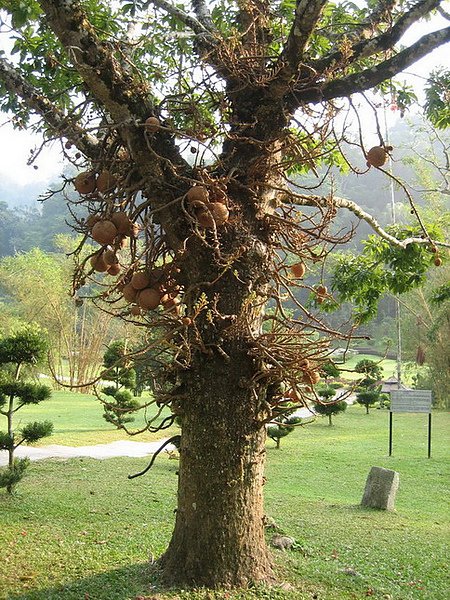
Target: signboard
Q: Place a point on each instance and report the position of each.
(418, 401)
(411, 401)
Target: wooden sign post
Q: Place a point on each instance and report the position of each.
(410, 401)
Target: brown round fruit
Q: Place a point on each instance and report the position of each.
(186, 321)
(205, 219)
(98, 263)
(219, 212)
(311, 377)
(136, 310)
(104, 232)
(85, 183)
(129, 293)
(148, 298)
(377, 156)
(140, 280)
(114, 269)
(110, 257)
(218, 195)
(298, 270)
(152, 124)
(196, 194)
(321, 290)
(106, 182)
(122, 221)
(438, 261)
(304, 363)
(92, 220)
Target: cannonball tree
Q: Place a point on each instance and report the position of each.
(197, 130)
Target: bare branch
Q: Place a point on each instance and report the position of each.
(58, 122)
(203, 14)
(369, 78)
(382, 42)
(307, 13)
(326, 202)
(125, 97)
(195, 24)
(443, 13)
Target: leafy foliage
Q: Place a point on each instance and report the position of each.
(380, 269)
(120, 403)
(6, 441)
(283, 427)
(372, 371)
(10, 476)
(437, 105)
(329, 369)
(32, 432)
(25, 393)
(328, 407)
(28, 345)
(367, 398)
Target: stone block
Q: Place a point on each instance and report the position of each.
(381, 488)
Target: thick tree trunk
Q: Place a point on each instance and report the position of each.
(219, 532)
(218, 538)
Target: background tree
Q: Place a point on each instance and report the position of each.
(368, 392)
(24, 348)
(35, 287)
(282, 427)
(327, 406)
(120, 402)
(371, 370)
(367, 397)
(188, 140)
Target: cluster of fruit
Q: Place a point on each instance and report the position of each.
(89, 182)
(146, 290)
(111, 234)
(208, 205)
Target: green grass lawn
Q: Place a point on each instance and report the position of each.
(79, 530)
(78, 420)
(388, 365)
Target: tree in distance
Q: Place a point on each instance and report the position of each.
(327, 406)
(197, 182)
(120, 405)
(281, 428)
(368, 392)
(371, 370)
(24, 348)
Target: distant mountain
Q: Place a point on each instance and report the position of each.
(21, 196)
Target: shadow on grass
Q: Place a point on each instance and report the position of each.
(118, 584)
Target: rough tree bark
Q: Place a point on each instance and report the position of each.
(224, 377)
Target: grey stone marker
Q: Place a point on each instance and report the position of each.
(381, 488)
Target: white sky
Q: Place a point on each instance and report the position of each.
(16, 145)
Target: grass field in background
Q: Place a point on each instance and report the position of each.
(78, 420)
(389, 366)
(79, 530)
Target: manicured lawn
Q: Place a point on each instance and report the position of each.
(389, 366)
(78, 420)
(79, 530)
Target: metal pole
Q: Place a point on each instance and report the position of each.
(429, 435)
(390, 433)
(397, 301)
